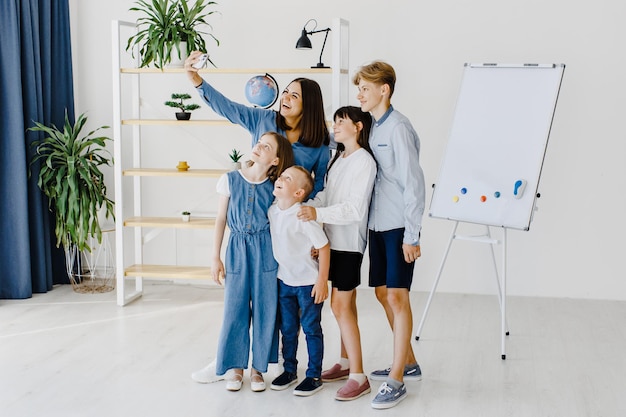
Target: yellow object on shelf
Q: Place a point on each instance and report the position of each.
(182, 166)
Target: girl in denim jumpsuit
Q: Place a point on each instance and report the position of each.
(250, 274)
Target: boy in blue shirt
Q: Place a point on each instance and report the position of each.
(394, 224)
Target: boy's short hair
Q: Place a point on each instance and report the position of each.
(377, 72)
(306, 180)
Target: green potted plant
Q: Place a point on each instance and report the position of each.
(169, 26)
(235, 156)
(186, 216)
(71, 178)
(183, 114)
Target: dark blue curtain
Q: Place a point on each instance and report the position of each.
(35, 85)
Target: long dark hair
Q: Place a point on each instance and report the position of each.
(356, 115)
(314, 132)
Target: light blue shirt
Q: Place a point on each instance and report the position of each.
(399, 195)
(258, 121)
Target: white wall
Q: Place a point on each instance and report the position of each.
(574, 244)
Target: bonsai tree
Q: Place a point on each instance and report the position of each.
(167, 23)
(184, 108)
(70, 177)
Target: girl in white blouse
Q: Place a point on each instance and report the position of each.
(342, 206)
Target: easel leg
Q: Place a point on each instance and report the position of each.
(434, 288)
(495, 269)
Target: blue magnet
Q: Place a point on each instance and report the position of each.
(518, 189)
(496, 194)
(463, 190)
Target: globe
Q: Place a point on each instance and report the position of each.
(262, 91)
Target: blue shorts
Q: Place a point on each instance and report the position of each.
(387, 264)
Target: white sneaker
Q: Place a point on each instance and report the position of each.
(207, 374)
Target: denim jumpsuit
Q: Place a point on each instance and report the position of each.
(251, 291)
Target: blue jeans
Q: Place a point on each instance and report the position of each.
(297, 308)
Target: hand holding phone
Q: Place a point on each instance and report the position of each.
(201, 62)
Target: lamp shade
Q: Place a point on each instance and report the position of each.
(304, 42)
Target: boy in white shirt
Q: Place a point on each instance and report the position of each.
(302, 280)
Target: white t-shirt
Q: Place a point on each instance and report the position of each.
(292, 240)
(344, 202)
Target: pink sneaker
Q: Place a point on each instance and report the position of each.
(335, 373)
(352, 390)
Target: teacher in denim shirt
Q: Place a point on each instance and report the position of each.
(300, 119)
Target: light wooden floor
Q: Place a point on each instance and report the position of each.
(67, 354)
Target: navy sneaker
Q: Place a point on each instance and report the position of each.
(411, 373)
(308, 387)
(283, 381)
(388, 396)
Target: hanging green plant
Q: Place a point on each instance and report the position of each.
(70, 177)
(167, 23)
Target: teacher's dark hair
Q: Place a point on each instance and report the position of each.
(314, 132)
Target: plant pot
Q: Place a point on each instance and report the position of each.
(183, 115)
(175, 61)
(186, 217)
(234, 166)
(83, 273)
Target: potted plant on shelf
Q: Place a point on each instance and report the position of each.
(170, 26)
(186, 216)
(71, 178)
(183, 114)
(235, 157)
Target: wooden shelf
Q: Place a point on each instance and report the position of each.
(173, 222)
(172, 122)
(167, 172)
(168, 271)
(135, 134)
(228, 70)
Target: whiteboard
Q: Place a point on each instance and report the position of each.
(494, 156)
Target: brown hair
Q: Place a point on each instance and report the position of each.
(356, 115)
(284, 153)
(307, 182)
(377, 72)
(314, 132)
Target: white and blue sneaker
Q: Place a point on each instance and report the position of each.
(411, 373)
(388, 396)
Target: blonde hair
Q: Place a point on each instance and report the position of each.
(306, 180)
(377, 72)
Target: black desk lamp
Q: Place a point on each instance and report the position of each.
(305, 43)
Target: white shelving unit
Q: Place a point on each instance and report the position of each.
(130, 173)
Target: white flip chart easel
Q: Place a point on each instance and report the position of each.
(492, 166)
